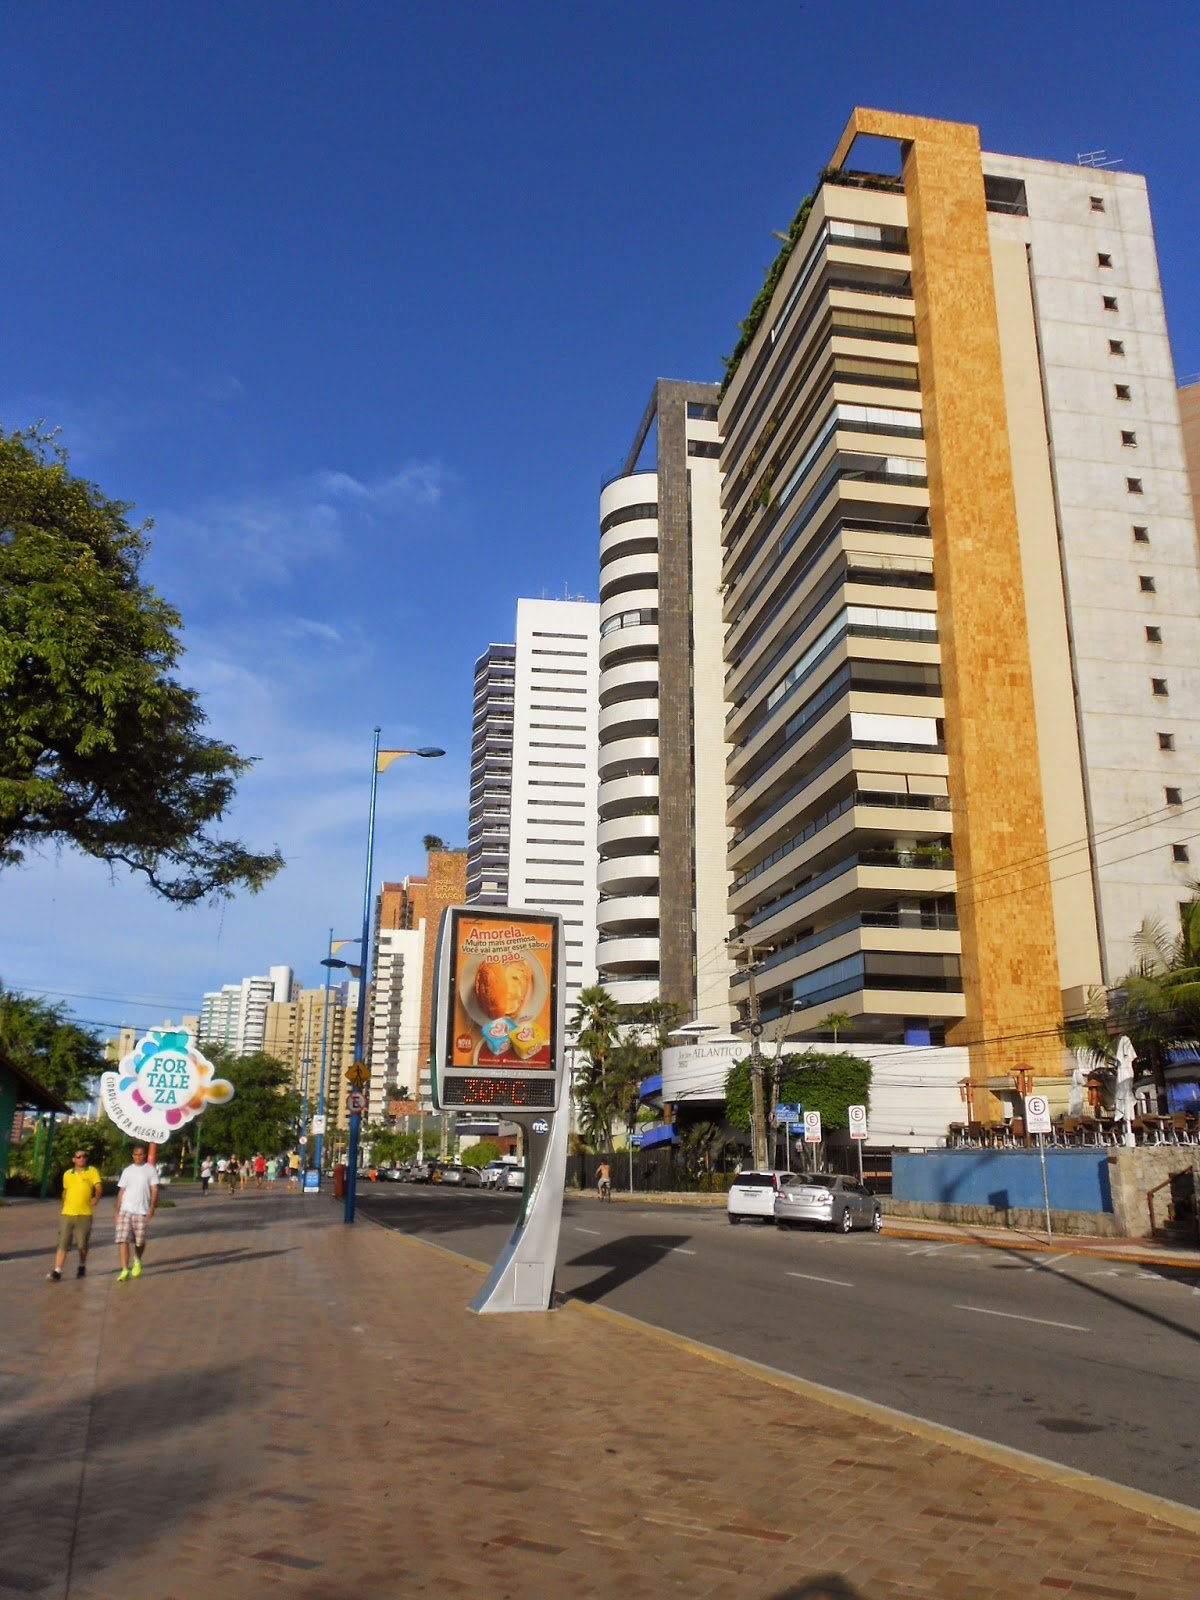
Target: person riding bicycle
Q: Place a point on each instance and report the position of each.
(603, 1182)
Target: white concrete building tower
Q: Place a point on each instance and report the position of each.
(395, 1019)
(663, 917)
(235, 1016)
(491, 776)
(552, 843)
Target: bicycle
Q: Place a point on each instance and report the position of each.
(604, 1189)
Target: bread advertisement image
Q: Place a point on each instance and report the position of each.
(503, 992)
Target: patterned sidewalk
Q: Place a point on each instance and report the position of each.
(286, 1406)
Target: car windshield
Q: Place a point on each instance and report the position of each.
(812, 1180)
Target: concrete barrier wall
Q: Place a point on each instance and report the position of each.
(1005, 1180)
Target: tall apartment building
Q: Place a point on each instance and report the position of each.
(488, 821)
(962, 602)
(552, 847)
(235, 1016)
(395, 1019)
(663, 917)
(296, 1033)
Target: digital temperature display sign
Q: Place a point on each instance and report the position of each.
(498, 1001)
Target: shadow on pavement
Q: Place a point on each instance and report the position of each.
(624, 1259)
(214, 1258)
(45, 1549)
(828, 1588)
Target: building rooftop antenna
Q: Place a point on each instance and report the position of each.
(1097, 158)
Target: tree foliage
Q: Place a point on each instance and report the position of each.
(55, 1052)
(101, 748)
(622, 1047)
(1157, 1004)
(481, 1153)
(109, 1151)
(818, 1080)
(263, 1113)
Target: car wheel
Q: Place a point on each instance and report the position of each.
(877, 1221)
(847, 1219)
(733, 1221)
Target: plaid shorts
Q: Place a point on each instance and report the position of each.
(129, 1222)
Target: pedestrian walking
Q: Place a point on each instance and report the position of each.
(206, 1172)
(260, 1169)
(81, 1188)
(294, 1169)
(233, 1173)
(137, 1201)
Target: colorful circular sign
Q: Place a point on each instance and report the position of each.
(161, 1086)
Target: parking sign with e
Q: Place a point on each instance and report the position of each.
(856, 1116)
(812, 1127)
(1037, 1114)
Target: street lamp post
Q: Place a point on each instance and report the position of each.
(329, 963)
(381, 761)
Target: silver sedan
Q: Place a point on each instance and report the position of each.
(827, 1199)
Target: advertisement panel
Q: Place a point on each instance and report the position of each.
(497, 1037)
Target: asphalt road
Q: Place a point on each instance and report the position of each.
(1088, 1362)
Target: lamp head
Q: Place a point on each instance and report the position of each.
(334, 961)
(429, 750)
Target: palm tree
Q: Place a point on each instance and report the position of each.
(1157, 1004)
(835, 1020)
(595, 1024)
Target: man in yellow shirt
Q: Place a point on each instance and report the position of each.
(81, 1190)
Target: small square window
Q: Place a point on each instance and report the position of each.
(1179, 852)
(1121, 390)
(1174, 796)
(1166, 741)
(1153, 635)
(1134, 485)
(1141, 535)
(1103, 260)
(1116, 347)
(1097, 202)
(1146, 584)
(1158, 686)
(1129, 438)
(1110, 303)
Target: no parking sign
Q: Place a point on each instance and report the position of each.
(812, 1127)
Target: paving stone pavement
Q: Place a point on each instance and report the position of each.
(284, 1406)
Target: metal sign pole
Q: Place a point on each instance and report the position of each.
(1045, 1186)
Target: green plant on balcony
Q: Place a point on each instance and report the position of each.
(762, 300)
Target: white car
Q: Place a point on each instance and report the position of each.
(514, 1178)
(493, 1174)
(752, 1194)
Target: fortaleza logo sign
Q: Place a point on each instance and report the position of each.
(160, 1087)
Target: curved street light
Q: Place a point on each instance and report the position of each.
(382, 761)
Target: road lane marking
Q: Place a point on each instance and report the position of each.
(595, 1232)
(1015, 1316)
(839, 1283)
(678, 1250)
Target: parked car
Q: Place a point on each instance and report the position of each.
(752, 1194)
(472, 1177)
(827, 1199)
(493, 1174)
(514, 1178)
(421, 1172)
(452, 1172)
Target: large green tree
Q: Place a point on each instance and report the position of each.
(263, 1113)
(54, 1051)
(818, 1080)
(101, 748)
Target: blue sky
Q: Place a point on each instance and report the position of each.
(360, 302)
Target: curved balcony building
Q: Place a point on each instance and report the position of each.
(662, 920)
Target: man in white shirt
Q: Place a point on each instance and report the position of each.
(137, 1200)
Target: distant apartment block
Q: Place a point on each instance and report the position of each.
(298, 1033)
(489, 816)
(235, 1016)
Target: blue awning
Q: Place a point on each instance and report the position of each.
(650, 1086)
(664, 1133)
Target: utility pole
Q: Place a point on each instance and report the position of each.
(758, 1121)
